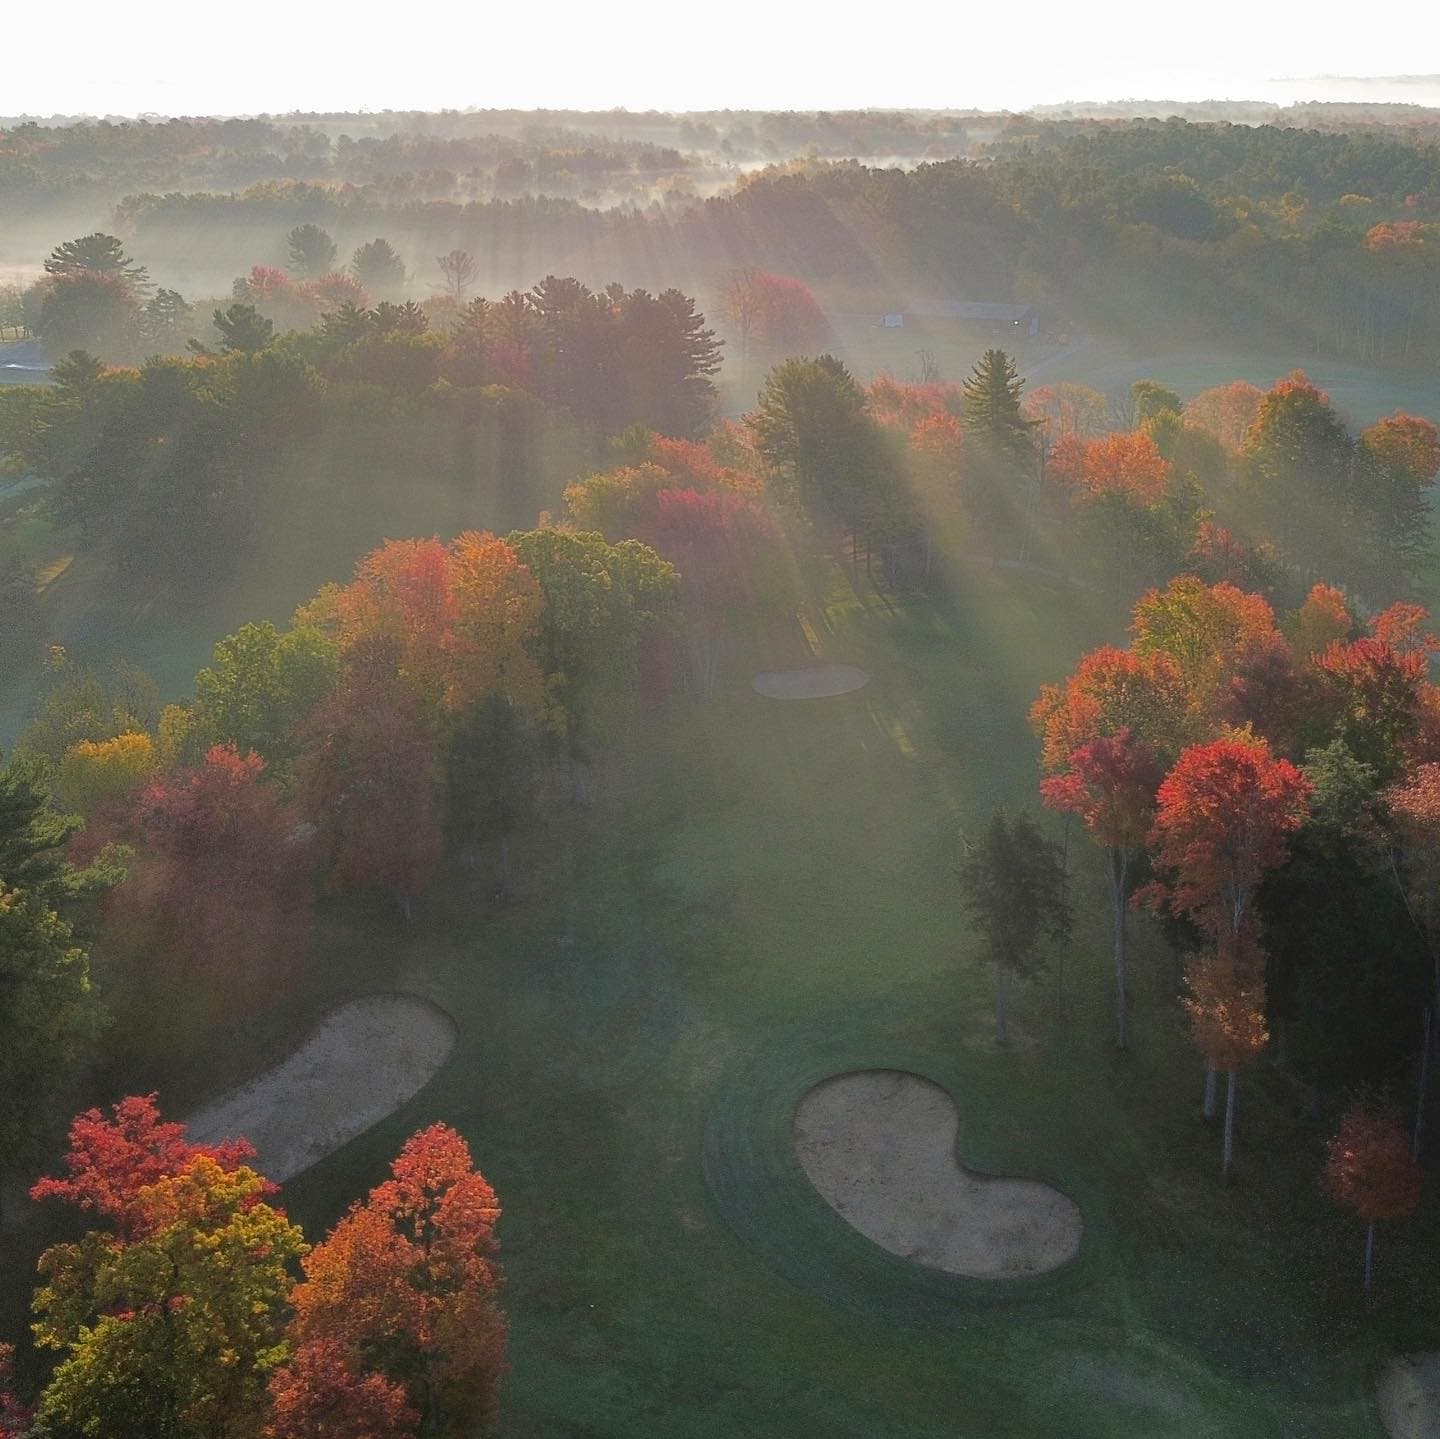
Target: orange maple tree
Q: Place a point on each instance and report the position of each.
(405, 1287)
(319, 1395)
(1126, 463)
(1322, 620)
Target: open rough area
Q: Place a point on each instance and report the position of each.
(365, 1060)
(879, 1145)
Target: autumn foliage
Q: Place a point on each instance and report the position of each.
(404, 1289)
(1222, 816)
(1369, 1168)
(1126, 463)
(173, 1318)
(111, 1161)
(213, 917)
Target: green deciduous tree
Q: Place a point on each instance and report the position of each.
(172, 1330)
(261, 684)
(52, 1018)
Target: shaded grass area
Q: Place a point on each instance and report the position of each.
(764, 894)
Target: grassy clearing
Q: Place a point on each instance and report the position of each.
(762, 895)
(1361, 394)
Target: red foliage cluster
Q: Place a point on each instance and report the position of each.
(218, 895)
(1369, 1169)
(111, 1160)
(1222, 816)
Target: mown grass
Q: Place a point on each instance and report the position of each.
(762, 894)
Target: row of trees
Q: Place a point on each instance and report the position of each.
(180, 464)
(1271, 783)
(179, 1312)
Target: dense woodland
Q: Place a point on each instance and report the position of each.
(531, 541)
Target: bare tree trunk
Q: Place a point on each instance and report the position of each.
(1002, 996)
(1369, 1256)
(403, 900)
(1422, 1098)
(1207, 1108)
(1229, 1148)
(1119, 863)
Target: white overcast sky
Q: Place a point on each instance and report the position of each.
(194, 57)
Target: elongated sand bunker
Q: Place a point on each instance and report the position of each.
(1409, 1396)
(815, 682)
(363, 1062)
(879, 1145)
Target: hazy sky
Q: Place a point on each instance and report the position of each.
(170, 57)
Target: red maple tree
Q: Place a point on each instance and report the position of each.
(110, 1160)
(1369, 1169)
(1222, 816)
(1110, 784)
(213, 917)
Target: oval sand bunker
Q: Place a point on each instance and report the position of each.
(1409, 1396)
(816, 682)
(879, 1145)
(365, 1060)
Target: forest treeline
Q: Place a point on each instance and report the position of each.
(1164, 232)
(1160, 231)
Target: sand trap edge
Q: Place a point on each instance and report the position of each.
(384, 1048)
(965, 1223)
(815, 682)
(1407, 1394)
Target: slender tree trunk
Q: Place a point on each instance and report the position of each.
(1002, 996)
(1207, 1107)
(1369, 1256)
(1282, 1043)
(1422, 1097)
(1119, 864)
(403, 900)
(1229, 1149)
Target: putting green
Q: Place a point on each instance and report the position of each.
(814, 682)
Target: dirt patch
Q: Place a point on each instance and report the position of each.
(814, 682)
(363, 1062)
(1409, 1396)
(879, 1145)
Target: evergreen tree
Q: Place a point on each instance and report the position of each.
(377, 266)
(98, 254)
(312, 251)
(243, 328)
(1000, 452)
(1013, 885)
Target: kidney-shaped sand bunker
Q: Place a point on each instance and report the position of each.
(814, 682)
(366, 1058)
(879, 1145)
